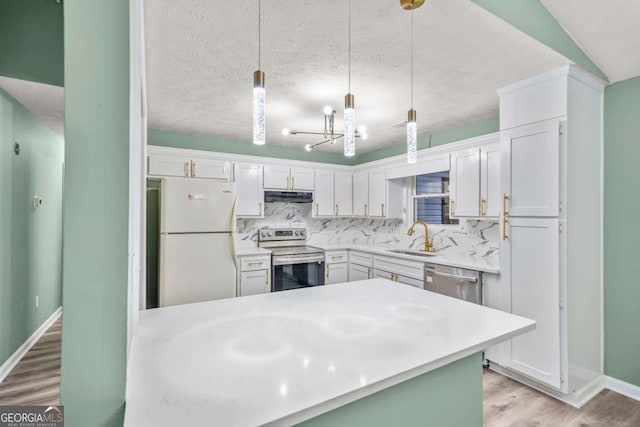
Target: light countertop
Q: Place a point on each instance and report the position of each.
(284, 357)
(485, 264)
(251, 250)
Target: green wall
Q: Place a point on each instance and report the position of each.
(533, 19)
(621, 234)
(31, 242)
(31, 35)
(96, 211)
(211, 143)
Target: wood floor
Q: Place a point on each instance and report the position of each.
(36, 378)
(507, 403)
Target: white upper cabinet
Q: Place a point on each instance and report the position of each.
(343, 193)
(324, 194)
(531, 169)
(490, 163)
(527, 102)
(302, 179)
(285, 178)
(377, 193)
(249, 190)
(464, 186)
(193, 167)
(361, 194)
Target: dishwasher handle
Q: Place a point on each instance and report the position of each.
(452, 276)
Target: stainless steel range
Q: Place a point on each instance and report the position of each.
(293, 264)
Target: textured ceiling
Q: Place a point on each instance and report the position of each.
(608, 31)
(44, 101)
(201, 56)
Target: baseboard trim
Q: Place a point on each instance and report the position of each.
(13, 360)
(622, 387)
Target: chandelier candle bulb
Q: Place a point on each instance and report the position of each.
(258, 108)
(412, 137)
(349, 126)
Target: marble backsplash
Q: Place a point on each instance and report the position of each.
(470, 237)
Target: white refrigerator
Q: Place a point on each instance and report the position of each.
(197, 241)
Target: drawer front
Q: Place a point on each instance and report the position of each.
(255, 263)
(402, 267)
(359, 272)
(395, 277)
(361, 258)
(332, 257)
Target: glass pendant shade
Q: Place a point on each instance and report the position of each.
(412, 138)
(259, 137)
(349, 126)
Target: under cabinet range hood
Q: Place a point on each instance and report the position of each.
(288, 196)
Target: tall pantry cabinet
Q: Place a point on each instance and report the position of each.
(551, 231)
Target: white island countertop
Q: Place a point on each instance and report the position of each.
(286, 357)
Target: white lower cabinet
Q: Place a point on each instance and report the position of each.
(399, 270)
(336, 267)
(255, 275)
(530, 262)
(359, 272)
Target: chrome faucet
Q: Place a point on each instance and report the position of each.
(427, 245)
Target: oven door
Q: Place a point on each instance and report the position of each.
(291, 272)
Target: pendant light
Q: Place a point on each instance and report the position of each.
(349, 110)
(412, 128)
(259, 94)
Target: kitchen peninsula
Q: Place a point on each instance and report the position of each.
(370, 352)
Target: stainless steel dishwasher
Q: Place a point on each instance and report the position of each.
(455, 282)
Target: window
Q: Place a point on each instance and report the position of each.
(431, 198)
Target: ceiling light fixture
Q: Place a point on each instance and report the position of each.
(349, 109)
(328, 133)
(412, 131)
(259, 93)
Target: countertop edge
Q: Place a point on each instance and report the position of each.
(352, 396)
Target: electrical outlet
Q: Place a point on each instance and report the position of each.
(37, 301)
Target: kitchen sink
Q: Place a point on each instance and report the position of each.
(412, 252)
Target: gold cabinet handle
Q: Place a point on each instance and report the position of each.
(366, 210)
(482, 206)
(187, 169)
(337, 209)
(193, 169)
(369, 272)
(260, 211)
(266, 277)
(255, 263)
(293, 182)
(382, 209)
(317, 209)
(336, 257)
(288, 183)
(505, 214)
(328, 271)
(451, 203)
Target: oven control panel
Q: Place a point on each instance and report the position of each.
(267, 234)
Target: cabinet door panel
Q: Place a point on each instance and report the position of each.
(465, 183)
(531, 263)
(377, 193)
(254, 282)
(343, 193)
(162, 165)
(211, 169)
(531, 169)
(302, 179)
(359, 272)
(360, 193)
(490, 162)
(277, 177)
(323, 196)
(336, 273)
(249, 190)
